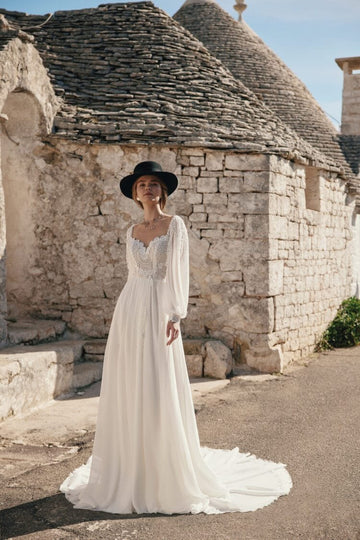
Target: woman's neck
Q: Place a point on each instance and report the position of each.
(152, 213)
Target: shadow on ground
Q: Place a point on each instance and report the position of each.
(51, 513)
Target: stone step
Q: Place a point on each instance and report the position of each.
(199, 360)
(34, 331)
(32, 375)
(94, 350)
(86, 373)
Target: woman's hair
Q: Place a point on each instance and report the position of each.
(163, 197)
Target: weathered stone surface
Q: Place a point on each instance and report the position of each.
(34, 331)
(267, 271)
(86, 373)
(266, 360)
(95, 346)
(194, 363)
(32, 375)
(251, 61)
(218, 361)
(194, 346)
(118, 44)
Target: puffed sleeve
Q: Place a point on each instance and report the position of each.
(177, 277)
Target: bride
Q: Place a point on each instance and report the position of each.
(147, 456)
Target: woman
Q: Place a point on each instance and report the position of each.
(147, 456)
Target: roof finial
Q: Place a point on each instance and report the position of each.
(240, 6)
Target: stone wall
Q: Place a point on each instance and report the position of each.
(27, 106)
(266, 273)
(314, 251)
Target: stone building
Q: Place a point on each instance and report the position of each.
(266, 191)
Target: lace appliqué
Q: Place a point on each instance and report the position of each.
(148, 261)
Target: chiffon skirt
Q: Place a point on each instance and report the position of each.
(147, 456)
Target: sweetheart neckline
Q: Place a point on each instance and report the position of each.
(153, 239)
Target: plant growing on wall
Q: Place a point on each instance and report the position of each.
(344, 330)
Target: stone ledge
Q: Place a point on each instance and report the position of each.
(32, 375)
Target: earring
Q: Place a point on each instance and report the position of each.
(137, 198)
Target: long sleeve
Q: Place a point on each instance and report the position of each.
(178, 271)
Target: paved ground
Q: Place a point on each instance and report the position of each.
(308, 418)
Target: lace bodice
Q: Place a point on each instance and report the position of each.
(148, 261)
(164, 261)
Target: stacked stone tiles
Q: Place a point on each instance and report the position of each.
(251, 61)
(350, 145)
(129, 73)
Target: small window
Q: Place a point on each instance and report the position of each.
(312, 188)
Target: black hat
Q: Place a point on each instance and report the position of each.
(148, 168)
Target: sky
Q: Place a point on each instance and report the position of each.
(307, 35)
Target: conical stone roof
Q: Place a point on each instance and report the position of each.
(350, 145)
(253, 63)
(130, 73)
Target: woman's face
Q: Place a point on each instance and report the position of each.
(148, 189)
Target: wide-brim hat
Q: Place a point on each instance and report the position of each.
(148, 168)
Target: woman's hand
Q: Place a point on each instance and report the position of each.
(172, 331)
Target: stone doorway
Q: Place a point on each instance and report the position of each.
(21, 124)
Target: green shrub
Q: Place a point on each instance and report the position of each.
(344, 331)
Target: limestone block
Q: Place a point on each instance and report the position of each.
(237, 233)
(88, 321)
(219, 216)
(257, 226)
(192, 152)
(293, 230)
(252, 315)
(264, 278)
(246, 162)
(110, 158)
(227, 292)
(278, 227)
(207, 185)
(218, 360)
(198, 216)
(234, 254)
(251, 203)
(236, 276)
(190, 171)
(194, 198)
(282, 166)
(95, 346)
(194, 346)
(86, 373)
(194, 364)
(32, 375)
(211, 233)
(88, 288)
(167, 159)
(214, 161)
(212, 199)
(178, 203)
(277, 183)
(112, 288)
(187, 183)
(108, 207)
(267, 360)
(231, 185)
(197, 160)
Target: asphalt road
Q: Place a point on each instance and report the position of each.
(308, 418)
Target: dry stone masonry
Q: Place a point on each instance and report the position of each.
(270, 205)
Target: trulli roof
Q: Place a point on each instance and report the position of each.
(129, 73)
(253, 63)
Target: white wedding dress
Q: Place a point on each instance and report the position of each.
(147, 456)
